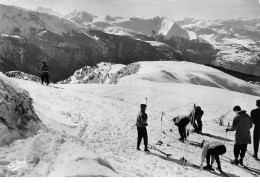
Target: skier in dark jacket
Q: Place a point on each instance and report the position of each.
(255, 115)
(196, 115)
(44, 72)
(141, 124)
(212, 149)
(181, 123)
(242, 124)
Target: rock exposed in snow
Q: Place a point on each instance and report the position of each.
(17, 116)
(101, 73)
(22, 75)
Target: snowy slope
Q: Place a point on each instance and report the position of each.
(103, 116)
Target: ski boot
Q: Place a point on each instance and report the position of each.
(146, 150)
(255, 156)
(240, 161)
(208, 167)
(234, 162)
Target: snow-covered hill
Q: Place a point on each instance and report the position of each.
(103, 117)
(162, 72)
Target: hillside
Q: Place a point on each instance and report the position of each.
(103, 116)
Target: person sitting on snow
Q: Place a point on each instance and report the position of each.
(242, 124)
(141, 124)
(196, 115)
(212, 149)
(181, 123)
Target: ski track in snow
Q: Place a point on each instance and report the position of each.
(104, 117)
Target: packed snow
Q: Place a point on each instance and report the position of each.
(98, 124)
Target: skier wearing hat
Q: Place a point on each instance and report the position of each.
(181, 123)
(141, 124)
(196, 115)
(255, 115)
(242, 124)
(44, 72)
(212, 149)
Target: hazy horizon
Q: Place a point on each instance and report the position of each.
(173, 9)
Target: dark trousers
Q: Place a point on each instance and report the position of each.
(45, 77)
(182, 132)
(182, 127)
(198, 126)
(256, 138)
(240, 149)
(216, 151)
(142, 134)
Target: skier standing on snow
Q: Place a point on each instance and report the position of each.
(213, 149)
(242, 124)
(181, 123)
(44, 72)
(141, 124)
(196, 115)
(255, 115)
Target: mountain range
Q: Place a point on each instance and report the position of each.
(79, 39)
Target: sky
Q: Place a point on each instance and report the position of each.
(173, 9)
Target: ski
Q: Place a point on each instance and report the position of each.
(252, 172)
(250, 154)
(154, 148)
(198, 167)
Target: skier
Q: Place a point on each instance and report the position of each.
(181, 123)
(196, 115)
(213, 149)
(44, 72)
(242, 124)
(255, 115)
(141, 124)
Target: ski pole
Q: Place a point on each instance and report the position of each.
(225, 138)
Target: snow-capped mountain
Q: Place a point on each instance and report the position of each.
(80, 17)
(49, 11)
(237, 42)
(29, 37)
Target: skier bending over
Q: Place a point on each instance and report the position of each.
(141, 124)
(44, 72)
(242, 124)
(213, 149)
(181, 123)
(196, 115)
(255, 115)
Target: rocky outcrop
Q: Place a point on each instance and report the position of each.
(17, 117)
(23, 76)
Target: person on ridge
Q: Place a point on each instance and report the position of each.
(212, 149)
(181, 123)
(242, 124)
(141, 124)
(255, 115)
(44, 72)
(196, 115)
